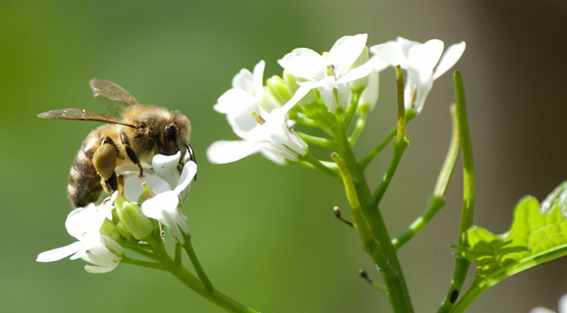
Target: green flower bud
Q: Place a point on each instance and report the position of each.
(279, 89)
(123, 231)
(109, 229)
(133, 219)
(291, 81)
(362, 82)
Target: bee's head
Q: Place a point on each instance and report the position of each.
(176, 135)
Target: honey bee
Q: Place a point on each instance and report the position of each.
(141, 132)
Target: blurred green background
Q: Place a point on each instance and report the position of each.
(266, 234)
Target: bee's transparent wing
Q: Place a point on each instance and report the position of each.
(113, 97)
(83, 115)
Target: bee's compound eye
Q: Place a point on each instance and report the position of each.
(172, 138)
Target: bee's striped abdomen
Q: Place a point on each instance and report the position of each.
(84, 181)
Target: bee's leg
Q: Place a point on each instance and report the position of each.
(131, 154)
(104, 161)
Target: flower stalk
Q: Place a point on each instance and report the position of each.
(462, 264)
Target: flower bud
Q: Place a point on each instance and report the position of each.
(278, 87)
(109, 229)
(133, 219)
(123, 231)
(362, 82)
(369, 96)
(557, 198)
(291, 81)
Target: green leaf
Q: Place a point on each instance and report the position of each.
(533, 236)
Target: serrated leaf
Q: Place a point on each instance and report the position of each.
(534, 237)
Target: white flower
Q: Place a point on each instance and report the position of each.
(247, 95)
(562, 307)
(93, 247)
(327, 74)
(424, 63)
(163, 177)
(169, 186)
(270, 136)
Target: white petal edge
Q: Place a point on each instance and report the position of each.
(133, 186)
(222, 152)
(345, 51)
(165, 166)
(424, 57)
(540, 309)
(563, 304)
(154, 207)
(59, 253)
(305, 63)
(391, 53)
(449, 58)
(244, 80)
(258, 79)
(189, 171)
(100, 269)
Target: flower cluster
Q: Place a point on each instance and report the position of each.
(147, 203)
(341, 82)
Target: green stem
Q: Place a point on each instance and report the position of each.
(178, 255)
(399, 148)
(331, 171)
(376, 150)
(214, 296)
(462, 264)
(434, 204)
(351, 110)
(140, 249)
(401, 109)
(320, 141)
(360, 123)
(394, 279)
(437, 201)
(141, 263)
(196, 264)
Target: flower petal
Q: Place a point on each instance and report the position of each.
(540, 309)
(133, 186)
(305, 63)
(424, 57)
(391, 53)
(258, 79)
(563, 304)
(345, 51)
(189, 171)
(165, 166)
(449, 58)
(244, 80)
(222, 152)
(59, 253)
(83, 220)
(272, 156)
(154, 207)
(234, 100)
(405, 45)
(100, 269)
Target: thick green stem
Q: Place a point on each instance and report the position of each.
(196, 264)
(214, 296)
(437, 201)
(394, 278)
(462, 264)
